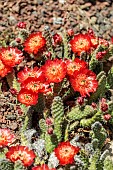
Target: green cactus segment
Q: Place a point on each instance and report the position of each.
(108, 164)
(43, 127)
(73, 125)
(16, 84)
(93, 62)
(57, 111)
(95, 162)
(49, 43)
(19, 166)
(65, 44)
(98, 135)
(39, 107)
(77, 113)
(110, 78)
(50, 142)
(88, 122)
(101, 88)
(27, 122)
(6, 165)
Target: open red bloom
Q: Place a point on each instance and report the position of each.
(34, 85)
(30, 72)
(84, 81)
(80, 43)
(6, 137)
(43, 167)
(34, 43)
(4, 70)
(77, 64)
(27, 97)
(11, 56)
(65, 152)
(22, 153)
(54, 70)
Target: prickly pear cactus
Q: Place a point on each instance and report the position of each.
(83, 112)
(88, 122)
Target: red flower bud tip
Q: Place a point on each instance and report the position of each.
(13, 91)
(48, 55)
(21, 25)
(80, 100)
(70, 32)
(19, 110)
(103, 100)
(90, 32)
(50, 131)
(48, 121)
(107, 117)
(57, 39)
(112, 40)
(100, 55)
(104, 107)
(94, 105)
(18, 40)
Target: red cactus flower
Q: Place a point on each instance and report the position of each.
(11, 56)
(6, 137)
(77, 64)
(65, 152)
(84, 81)
(35, 85)
(4, 70)
(43, 167)
(34, 43)
(57, 39)
(107, 117)
(22, 153)
(21, 25)
(27, 97)
(30, 72)
(94, 41)
(54, 70)
(80, 43)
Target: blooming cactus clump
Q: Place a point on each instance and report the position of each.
(61, 88)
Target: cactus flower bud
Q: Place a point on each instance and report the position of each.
(57, 39)
(50, 131)
(21, 25)
(107, 117)
(80, 100)
(70, 32)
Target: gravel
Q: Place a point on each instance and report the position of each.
(58, 14)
